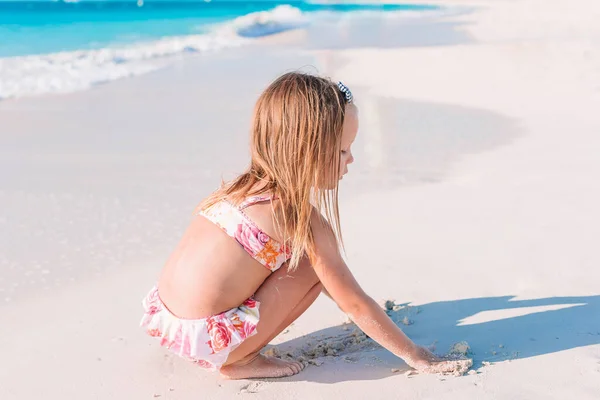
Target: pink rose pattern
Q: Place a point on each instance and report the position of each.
(248, 236)
(220, 336)
(250, 303)
(249, 328)
(263, 238)
(257, 243)
(206, 342)
(180, 343)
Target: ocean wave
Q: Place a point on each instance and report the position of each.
(281, 18)
(79, 70)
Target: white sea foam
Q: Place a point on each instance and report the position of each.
(263, 23)
(79, 70)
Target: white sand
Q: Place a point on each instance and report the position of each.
(474, 198)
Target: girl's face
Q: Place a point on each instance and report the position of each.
(349, 132)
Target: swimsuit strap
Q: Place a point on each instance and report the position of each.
(257, 243)
(254, 200)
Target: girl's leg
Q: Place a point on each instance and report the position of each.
(310, 298)
(283, 297)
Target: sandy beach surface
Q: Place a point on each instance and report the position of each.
(472, 204)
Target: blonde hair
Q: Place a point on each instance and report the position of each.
(295, 156)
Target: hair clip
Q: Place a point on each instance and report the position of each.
(347, 93)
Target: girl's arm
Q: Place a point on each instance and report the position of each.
(341, 286)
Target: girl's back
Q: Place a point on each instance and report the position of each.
(208, 272)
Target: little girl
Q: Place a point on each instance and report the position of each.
(261, 248)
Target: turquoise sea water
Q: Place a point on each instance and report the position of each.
(48, 26)
(51, 46)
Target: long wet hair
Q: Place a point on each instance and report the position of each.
(295, 148)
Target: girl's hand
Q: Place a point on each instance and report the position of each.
(426, 362)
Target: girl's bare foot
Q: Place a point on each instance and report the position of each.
(260, 366)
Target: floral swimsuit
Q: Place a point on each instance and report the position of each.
(208, 341)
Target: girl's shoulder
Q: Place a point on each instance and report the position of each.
(323, 233)
(320, 221)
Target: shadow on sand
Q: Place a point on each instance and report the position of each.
(497, 329)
